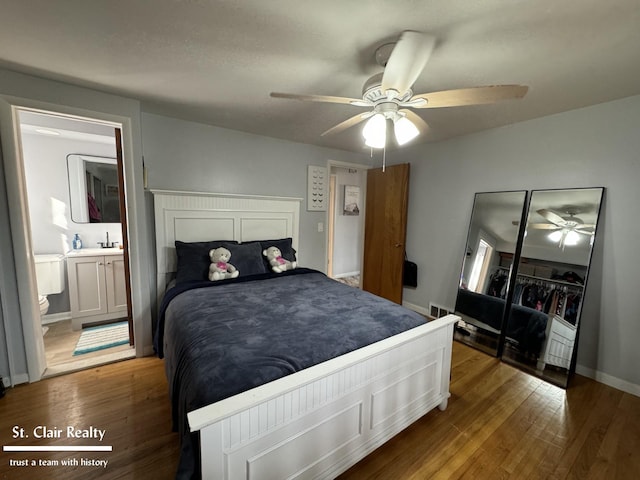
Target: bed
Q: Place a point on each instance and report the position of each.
(251, 402)
(526, 326)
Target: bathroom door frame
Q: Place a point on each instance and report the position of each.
(25, 280)
(330, 218)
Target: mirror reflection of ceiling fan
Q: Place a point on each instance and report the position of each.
(390, 101)
(566, 227)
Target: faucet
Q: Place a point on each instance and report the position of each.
(107, 244)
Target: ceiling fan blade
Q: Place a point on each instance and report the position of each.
(323, 98)
(470, 96)
(584, 232)
(552, 217)
(348, 123)
(416, 119)
(538, 226)
(543, 226)
(406, 62)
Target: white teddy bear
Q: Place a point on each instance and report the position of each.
(220, 268)
(277, 262)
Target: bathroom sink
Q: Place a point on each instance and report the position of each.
(94, 251)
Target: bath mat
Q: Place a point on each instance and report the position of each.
(104, 336)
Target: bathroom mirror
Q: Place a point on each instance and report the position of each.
(548, 291)
(483, 288)
(93, 189)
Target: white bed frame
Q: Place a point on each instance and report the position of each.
(320, 421)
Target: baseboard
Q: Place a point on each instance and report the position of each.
(55, 317)
(596, 375)
(17, 380)
(434, 311)
(148, 351)
(417, 308)
(609, 380)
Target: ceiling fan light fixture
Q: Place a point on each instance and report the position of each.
(565, 237)
(572, 238)
(375, 131)
(390, 93)
(405, 130)
(556, 236)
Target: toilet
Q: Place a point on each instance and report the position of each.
(50, 278)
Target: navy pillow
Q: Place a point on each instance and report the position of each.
(285, 247)
(246, 257)
(193, 259)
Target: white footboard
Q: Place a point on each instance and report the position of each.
(318, 422)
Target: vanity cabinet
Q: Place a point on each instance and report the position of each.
(97, 288)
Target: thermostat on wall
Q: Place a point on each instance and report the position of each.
(316, 188)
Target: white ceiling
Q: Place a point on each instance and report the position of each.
(217, 61)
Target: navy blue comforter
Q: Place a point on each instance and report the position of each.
(222, 338)
(525, 325)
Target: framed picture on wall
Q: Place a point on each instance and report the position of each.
(112, 190)
(351, 200)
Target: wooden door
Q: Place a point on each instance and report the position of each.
(125, 234)
(385, 231)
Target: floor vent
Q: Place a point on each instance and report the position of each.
(437, 311)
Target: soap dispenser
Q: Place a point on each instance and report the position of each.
(77, 243)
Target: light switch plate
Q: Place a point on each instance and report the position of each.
(316, 188)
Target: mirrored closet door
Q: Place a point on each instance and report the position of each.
(484, 281)
(548, 292)
(527, 307)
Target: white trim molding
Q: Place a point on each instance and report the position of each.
(416, 308)
(609, 380)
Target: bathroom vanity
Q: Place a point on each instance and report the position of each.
(97, 287)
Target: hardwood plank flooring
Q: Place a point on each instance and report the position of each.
(504, 424)
(352, 281)
(59, 343)
(500, 424)
(128, 399)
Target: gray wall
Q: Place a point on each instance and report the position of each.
(589, 147)
(181, 155)
(595, 146)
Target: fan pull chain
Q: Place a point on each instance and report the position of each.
(384, 157)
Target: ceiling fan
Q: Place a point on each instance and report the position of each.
(390, 100)
(565, 229)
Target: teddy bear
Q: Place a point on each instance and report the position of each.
(278, 264)
(220, 268)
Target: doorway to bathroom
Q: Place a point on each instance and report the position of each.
(74, 185)
(345, 221)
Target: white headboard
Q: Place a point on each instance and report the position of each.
(200, 216)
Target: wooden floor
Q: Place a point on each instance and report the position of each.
(500, 423)
(128, 399)
(352, 281)
(59, 343)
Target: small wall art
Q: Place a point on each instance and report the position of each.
(316, 188)
(351, 200)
